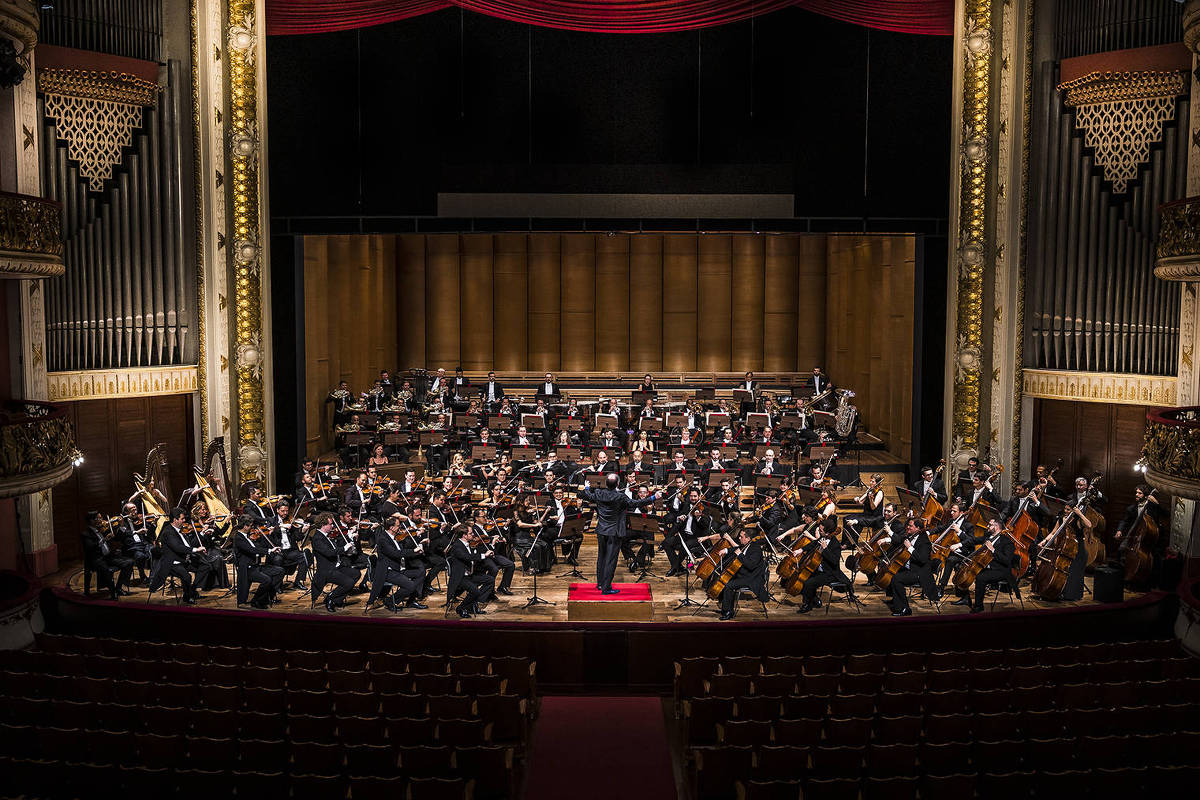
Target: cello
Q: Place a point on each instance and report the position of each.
(1139, 547)
(978, 561)
(891, 564)
(730, 568)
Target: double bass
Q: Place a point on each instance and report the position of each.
(1139, 546)
(932, 510)
(1055, 559)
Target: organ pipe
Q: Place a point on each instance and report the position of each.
(125, 299)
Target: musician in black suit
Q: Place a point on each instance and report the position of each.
(611, 507)
(930, 483)
(548, 388)
(176, 553)
(99, 557)
(1003, 567)
(690, 527)
(769, 466)
(135, 541)
(980, 489)
(494, 563)
(341, 399)
(966, 477)
(959, 551)
(830, 569)
(391, 568)
(751, 576)
(1025, 500)
(286, 537)
(1044, 476)
(678, 466)
(255, 506)
(490, 392)
(918, 569)
(335, 562)
(463, 561)
(461, 385)
(250, 547)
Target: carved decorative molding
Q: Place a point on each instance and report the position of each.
(110, 383)
(37, 447)
(30, 237)
(1122, 115)
(1177, 254)
(1100, 387)
(1171, 451)
(96, 113)
(19, 19)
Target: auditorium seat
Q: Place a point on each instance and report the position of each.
(316, 758)
(798, 732)
(482, 684)
(345, 660)
(759, 706)
(860, 682)
(740, 665)
(203, 782)
(265, 701)
(886, 759)
(411, 731)
(265, 755)
(225, 655)
(370, 760)
(784, 665)
(952, 786)
(902, 787)
(898, 729)
(429, 663)
(450, 706)
(434, 683)
(773, 684)
(218, 697)
(355, 730)
(945, 702)
(911, 661)
(727, 685)
(718, 768)
(467, 732)
(756, 789)
(261, 724)
(312, 703)
(852, 731)
(823, 665)
(1059, 753)
(835, 761)
(830, 789)
(701, 716)
(781, 762)
(908, 682)
(307, 786)
(492, 768)
(865, 663)
(825, 685)
(437, 789)
(373, 787)
(804, 705)
(155, 750)
(948, 727)
(744, 732)
(425, 760)
(945, 754)
(349, 680)
(206, 750)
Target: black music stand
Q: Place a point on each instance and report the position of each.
(688, 566)
(575, 525)
(648, 526)
(534, 599)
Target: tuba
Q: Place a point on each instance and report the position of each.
(845, 415)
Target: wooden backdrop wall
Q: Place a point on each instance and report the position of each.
(869, 344)
(350, 321)
(606, 303)
(1092, 437)
(114, 436)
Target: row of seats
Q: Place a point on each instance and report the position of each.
(32, 779)
(716, 769)
(366, 694)
(124, 720)
(934, 728)
(1054, 784)
(387, 669)
(705, 716)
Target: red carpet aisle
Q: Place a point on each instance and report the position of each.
(600, 748)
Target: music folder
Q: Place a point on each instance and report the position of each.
(743, 396)
(567, 453)
(606, 421)
(821, 453)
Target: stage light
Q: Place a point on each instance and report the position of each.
(77, 458)
(1140, 465)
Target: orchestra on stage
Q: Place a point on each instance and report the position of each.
(444, 488)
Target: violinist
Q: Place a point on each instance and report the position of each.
(410, 484)
(256, 505)
(556, 517)
(353, 531)
(205, 532)
(918, 569)
(135, 542)
(434, 559)
(751, 576)
(929, 484)
(830, 569)
(101, 557)
(250, 547)
(494, 563)
(393, 579)
(676, 500)
(872, 503)
(176, 553)
(815, 477)
(306, 493)
(335, 555)
(689, 529)
(1004, 563)
(725, 497)
(465, 573)
(530, 537)
(359, 495)
(285, 538)
(392, 503)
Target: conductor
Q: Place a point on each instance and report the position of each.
(611, 507)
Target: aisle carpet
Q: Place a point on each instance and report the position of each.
(600, 748)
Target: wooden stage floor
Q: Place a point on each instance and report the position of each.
(667, 595)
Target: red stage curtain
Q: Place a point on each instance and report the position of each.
(608, 16)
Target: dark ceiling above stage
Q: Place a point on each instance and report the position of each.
(376, 122)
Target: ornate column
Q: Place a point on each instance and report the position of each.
(19, 25)
(989, 145)
(229, 41)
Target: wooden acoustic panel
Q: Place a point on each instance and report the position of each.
(510, 296)
(578, 286)
(714, 303)
(747, 303)
(476, 303)
(612, 302)
(679, 302)
(646, 302)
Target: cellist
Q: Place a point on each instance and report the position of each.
(751, 576)
(959, 551)
(830, 568)
(918, 569)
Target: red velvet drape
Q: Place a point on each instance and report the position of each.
(608, 16)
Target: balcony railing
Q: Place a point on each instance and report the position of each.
(37, 447)
(30, 237)
(1171, 450)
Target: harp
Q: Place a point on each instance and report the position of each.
(154, 488)
(212, 479)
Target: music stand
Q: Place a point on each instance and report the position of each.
(758, 420)
(790, 421)
(743, 396)
(483, 452)
(729, 452)
(527, 453)
(595, 480)
(393, 439)
(569, 423)
(807, 496)
(650, 424)
(715, 476)
(764, 482)
(716, 419)
(706, 394)
(575, 525)
(676, 420)
(565, 453)
(534, 599)
(606, 421)
(533, 422)
(688, 565)
(499, 422)
(907, 497)
(824, 419)
(1053, 505)
(648, 526)
(639, 398)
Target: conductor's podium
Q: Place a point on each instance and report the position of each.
(634, 603)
